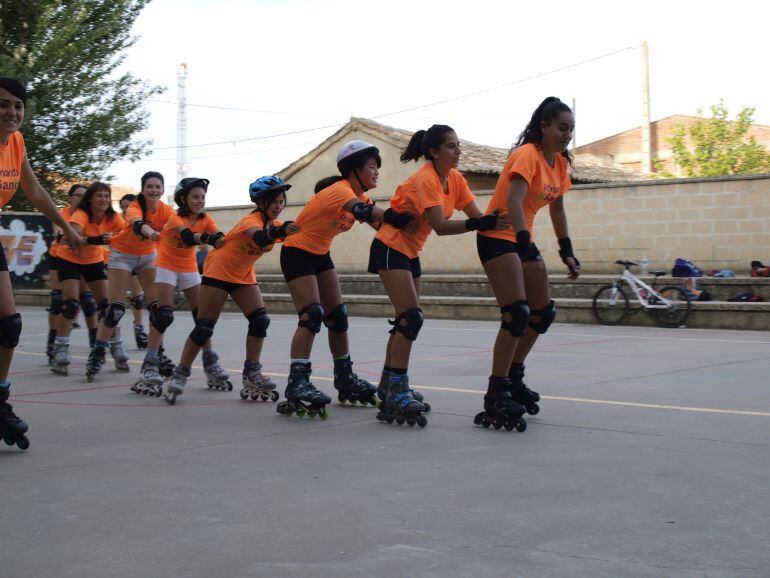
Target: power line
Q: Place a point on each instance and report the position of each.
(260, 111)
(444, 101)
(244, 153)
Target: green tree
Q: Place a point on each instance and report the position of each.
(83, 114)
(719, 146)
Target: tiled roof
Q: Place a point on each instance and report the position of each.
(476, 158)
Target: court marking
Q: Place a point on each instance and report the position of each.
(668, 407)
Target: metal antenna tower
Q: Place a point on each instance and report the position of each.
(181, 122)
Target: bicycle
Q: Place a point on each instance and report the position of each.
(670, 305)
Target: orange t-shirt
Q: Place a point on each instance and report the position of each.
(416, 194)
(66, 213)
(90, 254)
(545, 185)
(173, 254)
(234, 261)
(128, 242)
(323, 218)
(11, 159)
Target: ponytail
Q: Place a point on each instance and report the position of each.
(140, 197)
(423, 140)
(548, 110)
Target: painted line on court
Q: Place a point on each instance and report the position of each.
(479, 392)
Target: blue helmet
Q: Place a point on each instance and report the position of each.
(260, 188)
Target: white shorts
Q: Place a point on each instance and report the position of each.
(129, 262)
(177, 279)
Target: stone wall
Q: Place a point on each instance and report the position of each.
(718, 223)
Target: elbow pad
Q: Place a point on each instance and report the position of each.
(95, 240)
(137, 227)
(262, 238)
(188, 237)
(398, 220)
(363, 212)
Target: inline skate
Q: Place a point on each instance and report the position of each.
(166, 366)
(350, 387)
(150, 381)
(61, 357)
(500, 409)
(12, 428)
(119, 354)
(301, 395)
(95, 362)
(520, 392)
(216, 376)
(382, 391)
(50, 345)
(176, 384)
(140, 336)
(400, 405)
(256, 385)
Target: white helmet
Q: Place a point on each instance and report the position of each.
(354, 148)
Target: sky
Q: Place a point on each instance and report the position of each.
(300, 65)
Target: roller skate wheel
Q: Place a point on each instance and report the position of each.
(478, 418)
(427, 407)
(380, 416)
(300, 411)
(485, 421)
(263, 397)
(254, 397)
(533, 409)
(8, 439)
(341, 398)
(422, 421)
(22, 443)
(89, 377)
(243, 394)
(274, 396)
(390, 419)
(283, 408)
(411, 421)
(498, 422)
(400, 420)
(229, 386)
(322, 413)
(521, 425)
(509, 425)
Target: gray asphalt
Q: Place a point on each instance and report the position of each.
(650, 457)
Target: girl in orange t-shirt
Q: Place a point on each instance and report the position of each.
(229, 270)
(535, 175)
(309, 271)
(176, 267)
(133, 249)
(137, 293)
(96, 221)
(15, 170)
(431, 195)
(74, 195)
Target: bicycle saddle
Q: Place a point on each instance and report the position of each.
(659, 273)
(626, 264)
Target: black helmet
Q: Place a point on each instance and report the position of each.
(184, 186)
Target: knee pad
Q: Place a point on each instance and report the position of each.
(337, 320)
(163, 317)
(88, 303)
(10, 330)
(57, 298)
(315, 315)
(194, 313)
(547, 314)
(137, 301)
(101, 309)
(413, 323)
(114, 314)
(519, 312)
(204, 329)
(258, 323)
(70, 308)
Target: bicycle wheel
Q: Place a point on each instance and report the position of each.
(676, 315)
(610, 305)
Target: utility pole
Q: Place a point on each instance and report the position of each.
(646, 152)
(181, 122)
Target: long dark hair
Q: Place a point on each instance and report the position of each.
(326, 182)
(547, 111)
(85, 202)
(423, 140)
(140, 197)
(74, 188)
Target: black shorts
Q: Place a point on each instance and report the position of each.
(91, 272)
(228, 286)
(3, 262)
(53, 263)
(491, 247)
(381, 256)
(298, 263)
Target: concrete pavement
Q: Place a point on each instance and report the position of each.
(650, 457)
